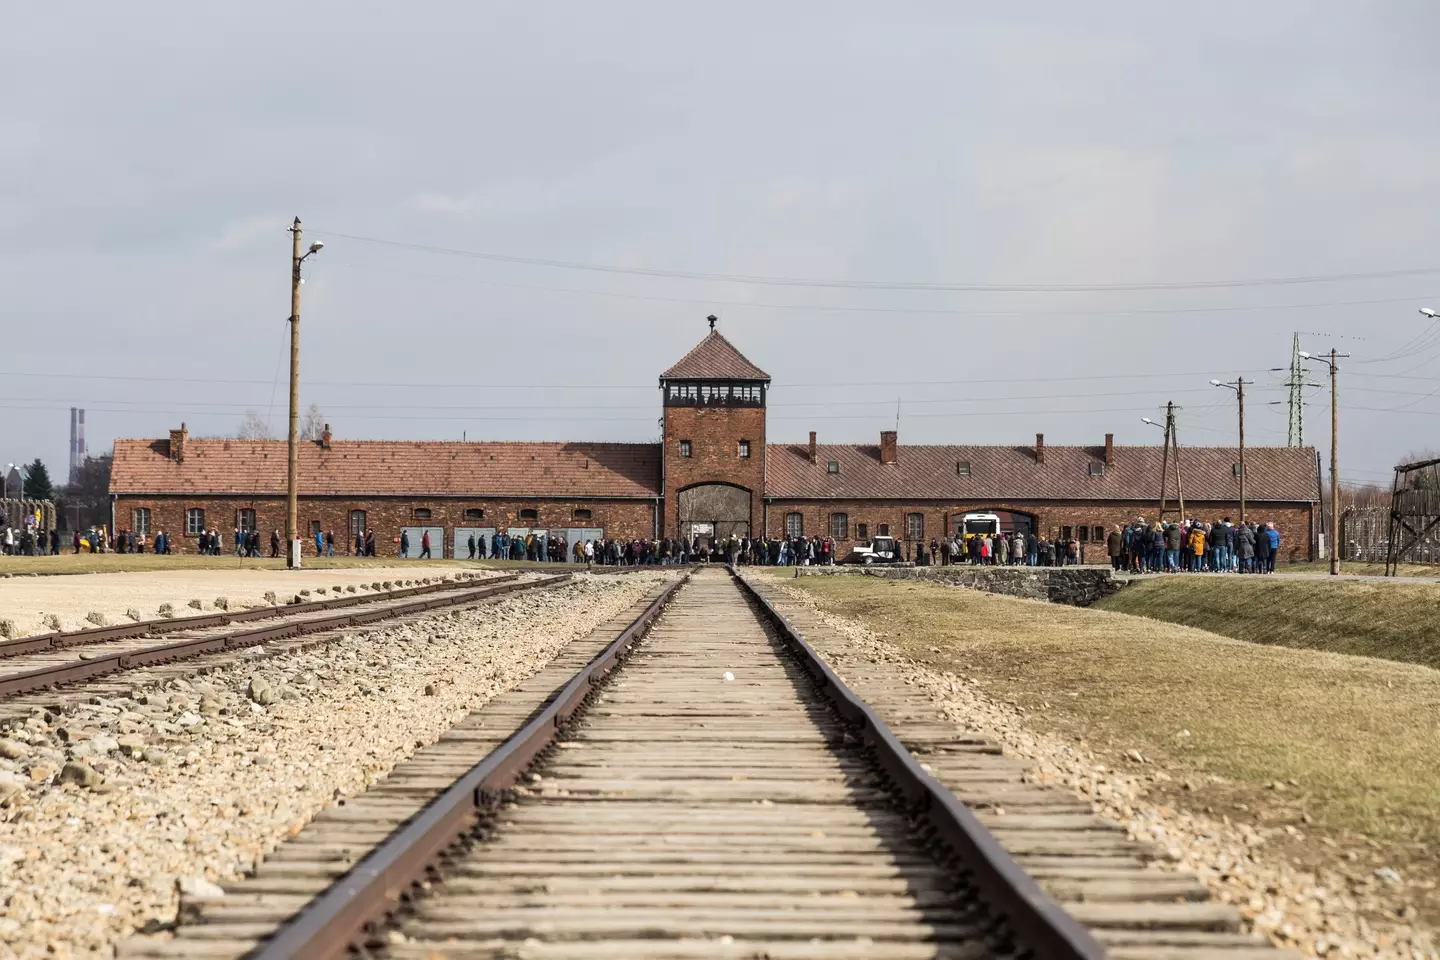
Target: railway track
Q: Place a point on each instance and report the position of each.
(722, 795)
(34, 664)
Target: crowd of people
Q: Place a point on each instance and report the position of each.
(1138, 547)
(1194, 546)
(638, 552)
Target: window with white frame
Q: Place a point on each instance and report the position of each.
(141, 523)
(914, 526)
(794, 525)
(194, 521)
(840, 525)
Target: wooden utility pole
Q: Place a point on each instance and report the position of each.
(1165, 455)
(1240, 392)
(292, 504)
(1334, 464)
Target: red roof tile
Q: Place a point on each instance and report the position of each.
(714, 358)
(391, 468)
(1284, 474)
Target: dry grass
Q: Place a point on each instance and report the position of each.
(1357, 569)
(1360, 737)
(1393, 620)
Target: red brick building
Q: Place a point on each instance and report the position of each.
(714, 473)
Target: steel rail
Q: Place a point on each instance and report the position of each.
(46, 677)
(1037, 920)
(142, 628)
(332, 923)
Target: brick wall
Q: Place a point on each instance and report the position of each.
(627, 519)
(714, 434)
(1292, 520)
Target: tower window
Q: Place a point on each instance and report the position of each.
(744, 449)
(684, 448)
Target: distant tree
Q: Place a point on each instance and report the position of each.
(37, 482)
(312, 425)
(86, 500)
(253, 427)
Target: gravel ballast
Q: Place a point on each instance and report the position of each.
(106, 810)
(29, 602)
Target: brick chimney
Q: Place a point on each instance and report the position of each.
(177, 443)
(1039, 448)
(889, 441)
(1109, 449)
(325, 438)
(813, 455)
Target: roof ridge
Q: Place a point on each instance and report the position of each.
(714, 357)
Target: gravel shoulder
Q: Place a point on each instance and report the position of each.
(27, 602)
(1324, 892)
(105, 809)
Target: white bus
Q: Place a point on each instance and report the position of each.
(979, 524)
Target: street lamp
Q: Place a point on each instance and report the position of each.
(1239, 387)
(1333, 362)
(292, 497)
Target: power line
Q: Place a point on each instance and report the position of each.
(380, 384)
(922, 311)
(329, 407)
(890, 284)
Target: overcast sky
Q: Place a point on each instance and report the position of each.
(152, 156)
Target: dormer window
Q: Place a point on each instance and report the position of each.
(1097, 469)
(962, 468)
(833, 466)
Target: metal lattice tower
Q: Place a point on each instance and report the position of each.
(1295, 437)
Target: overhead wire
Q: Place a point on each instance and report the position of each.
(920, 311)
(759, 279)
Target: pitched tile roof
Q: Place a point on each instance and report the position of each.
(391, 468)
(714, 358)
(1285, 474)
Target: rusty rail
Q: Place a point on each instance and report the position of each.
(47, 677)
(338, 918)
(1036, 919)
(144, 628)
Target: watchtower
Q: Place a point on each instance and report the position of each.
(714, 436)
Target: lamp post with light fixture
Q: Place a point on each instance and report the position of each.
(1239, 387)
(292, 499)
(1333, 362)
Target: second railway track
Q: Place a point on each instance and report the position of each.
(31, 665)
(724, 795)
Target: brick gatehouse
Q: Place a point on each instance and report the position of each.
(714, 473)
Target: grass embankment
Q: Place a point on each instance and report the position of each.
(1394, 620)
(1360, 737)
(1355, 568)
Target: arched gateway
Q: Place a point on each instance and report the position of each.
(714, 511)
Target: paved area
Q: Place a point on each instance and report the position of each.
(29, 600)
